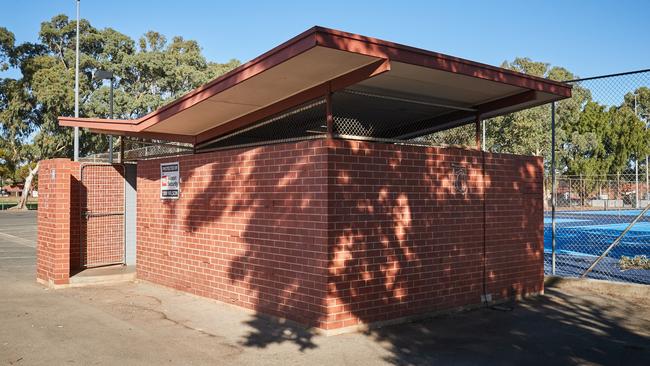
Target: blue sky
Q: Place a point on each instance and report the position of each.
(587, 37)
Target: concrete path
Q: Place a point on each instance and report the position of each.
(144, 324)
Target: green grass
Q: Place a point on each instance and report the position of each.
(7, 202)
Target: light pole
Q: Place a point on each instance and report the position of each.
(76, 92)
(636, 159)
(107, 75)
(647, 177)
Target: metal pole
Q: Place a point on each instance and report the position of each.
(110, 137)
(581, 191)
(636, 160)
(120, 140)
(477, 136)
(329, 117)
(636, 173)
(618, 193)
(76, 91)
(553, 188)
(647, 181)
(484, 122)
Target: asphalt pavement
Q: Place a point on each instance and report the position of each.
(576, 322)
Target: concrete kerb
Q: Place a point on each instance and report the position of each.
(96, 277)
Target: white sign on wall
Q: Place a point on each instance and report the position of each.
(170, 181)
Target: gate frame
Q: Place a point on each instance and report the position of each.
(83, 216)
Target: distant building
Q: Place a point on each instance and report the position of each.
(12, 190)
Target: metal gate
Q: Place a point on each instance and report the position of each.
(102, 199)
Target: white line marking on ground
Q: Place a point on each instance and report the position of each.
(18, 240)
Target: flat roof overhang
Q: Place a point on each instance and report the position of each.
(320, 61)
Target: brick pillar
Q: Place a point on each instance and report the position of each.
(54, 221)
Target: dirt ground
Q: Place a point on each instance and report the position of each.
(576, 322)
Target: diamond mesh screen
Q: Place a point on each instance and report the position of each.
(356, 115)
(302, 122)
(102, 209)
(361, 114)
(139, 149)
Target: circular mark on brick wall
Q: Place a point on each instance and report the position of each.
(460, 178)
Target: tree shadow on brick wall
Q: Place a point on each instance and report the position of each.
(264, 192)
(400, 222)
(396, 236)
(417, 273)
(386, 240)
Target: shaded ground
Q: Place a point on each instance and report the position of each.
(142, 324)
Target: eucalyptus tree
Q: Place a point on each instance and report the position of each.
(148, 75)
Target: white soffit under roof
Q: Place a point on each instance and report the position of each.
(304, 71)
(438, 86)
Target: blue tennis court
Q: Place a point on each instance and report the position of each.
(581, 236)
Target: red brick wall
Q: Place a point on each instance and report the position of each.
(249, 228)
(59, 217)
(402, 241)
(338, 233)
(515, 224)
(330, 234)
(57, 226)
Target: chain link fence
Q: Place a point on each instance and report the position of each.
(601, 225)
(592, 212)
(598, 229)
(357, 114)
(139, 149)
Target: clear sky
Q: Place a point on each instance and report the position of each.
(588, 37)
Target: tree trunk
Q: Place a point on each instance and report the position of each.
(27, 189)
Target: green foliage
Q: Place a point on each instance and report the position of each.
(148, 75)
(584, 143)
(7, 40)
(528, 132)
(7, 168)
(459, 136)
(592, 139)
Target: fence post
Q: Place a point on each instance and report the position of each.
(636, 176)
(583, 191)
(553, 188)
(618, 187)
(647, 178)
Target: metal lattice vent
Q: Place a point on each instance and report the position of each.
(357, 114)
(373, 115)
(303, 122)
(138, 149)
